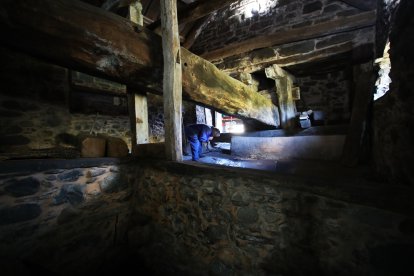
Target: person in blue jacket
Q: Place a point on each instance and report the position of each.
(196, 134)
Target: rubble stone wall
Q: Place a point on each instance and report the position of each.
(91, 216)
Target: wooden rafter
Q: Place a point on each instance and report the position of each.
(365, 5)
(318, 30)
(117, 49)
(196, 11)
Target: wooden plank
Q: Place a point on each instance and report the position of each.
(138, 102)
(256, 61)
(172, 81)
(220, 89)
(363, 87)
(195, 12)
(365, 5)
(105, 45)
(284, 85)
(308, 32)
(194, 32)
(141, 118)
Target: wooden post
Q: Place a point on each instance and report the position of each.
(137, 103)
(172, 81)
(358, 128)
(284, 85)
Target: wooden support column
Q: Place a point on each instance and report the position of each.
(137, 103)
(284, 85)
(364, 83)
(172, 81)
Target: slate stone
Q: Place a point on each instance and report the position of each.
(22, 187)
(54, 171)
(303, 47)
(14, 140)
(216, 233)
(70, 176)
(95, 172)
(112, 183)
(239, 199)
(334, 40)
(220, 269)
(71, 193)
(247, 215)
(51, 177)
(312, 7)
(19, 213)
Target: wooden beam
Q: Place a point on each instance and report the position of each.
(196, 12)
(258, 60)
(137, 102)
(113, 5)
(358, 128)
(195, 31)
(172, 81)
(105, 45)
(222, 90)
(365, 5)
(284, 85)
(299, 34)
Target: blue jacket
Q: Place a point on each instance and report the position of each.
(202, 131)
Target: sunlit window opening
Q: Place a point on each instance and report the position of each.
(255, 7)
(384, 80)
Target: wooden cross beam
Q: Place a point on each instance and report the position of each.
(88, 39)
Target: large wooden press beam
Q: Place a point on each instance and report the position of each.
(88, 39)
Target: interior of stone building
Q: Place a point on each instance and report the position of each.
(312, 173)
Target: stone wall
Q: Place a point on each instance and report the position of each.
(393, 113)
(329, 93)
(33, 125)
(100, 216)
(247, 18)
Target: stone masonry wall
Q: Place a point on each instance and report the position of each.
(329, 93)
(180, 219)
(27, 124)
(393, 113)
(249, 18)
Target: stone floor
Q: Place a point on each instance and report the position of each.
(221, 156)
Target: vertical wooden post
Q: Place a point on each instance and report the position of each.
(358, 128)
(284, 85)
(172, 81)
(137, 103)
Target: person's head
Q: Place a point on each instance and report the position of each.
(215, 132)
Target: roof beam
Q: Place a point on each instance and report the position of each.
(88, 39)
(283, 37)
(196, 12)
(365, 5)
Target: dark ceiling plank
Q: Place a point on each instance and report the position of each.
(195, 31)
(363, 5)
(255, 61)
(318, 30)
(88, 39)
(196, 11)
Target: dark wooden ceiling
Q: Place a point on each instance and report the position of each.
(193, 15)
